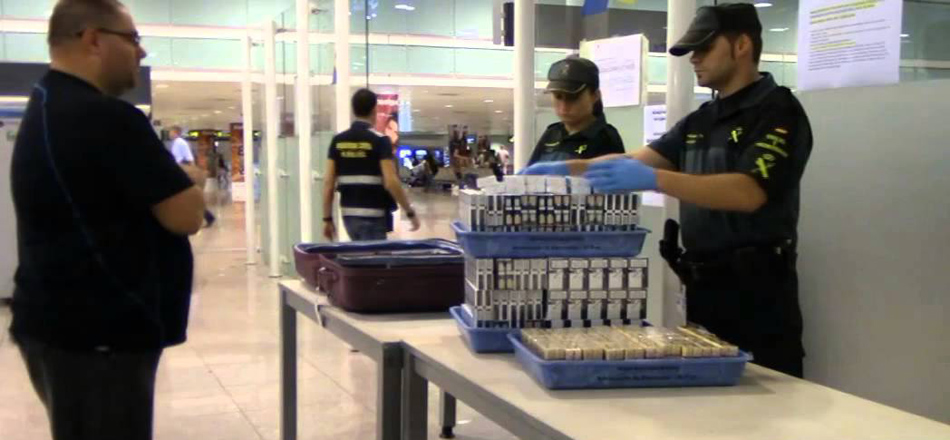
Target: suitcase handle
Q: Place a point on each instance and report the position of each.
(325, 278)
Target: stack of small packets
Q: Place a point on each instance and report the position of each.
(545, 204)
(543, 292)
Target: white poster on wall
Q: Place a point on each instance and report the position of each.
(620, 61)
(654, 127)
(847, 43)
(654, 123)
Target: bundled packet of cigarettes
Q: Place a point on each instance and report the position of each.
(545, 204)
(623, 343)
(556, 292)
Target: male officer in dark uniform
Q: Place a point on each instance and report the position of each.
(361, 167)
(583, 131)
(735, 164)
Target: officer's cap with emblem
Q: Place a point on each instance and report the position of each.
(572, 75)
(711, 21)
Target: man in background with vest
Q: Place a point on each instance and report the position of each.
(361, 166)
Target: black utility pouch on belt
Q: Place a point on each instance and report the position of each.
(751, 265)
(670, 248)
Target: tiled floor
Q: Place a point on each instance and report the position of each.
(223, 383)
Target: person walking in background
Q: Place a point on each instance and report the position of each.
(183, 155)
(180, 149)
(504, 157)
(103, 213)
(361, 166)
(460, 153)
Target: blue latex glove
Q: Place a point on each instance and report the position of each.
(621, 175)
(546, 169)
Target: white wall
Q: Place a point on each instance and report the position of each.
(875, 244)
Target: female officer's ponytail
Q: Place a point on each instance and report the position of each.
(598, 106)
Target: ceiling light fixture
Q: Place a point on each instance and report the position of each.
(905, 35)
(217, 112)
(778, 29)
(489, 101)
(14, 99)
(405, 7)
(763, 5)
(498, 111)
(449, 106)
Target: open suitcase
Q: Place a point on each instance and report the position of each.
(386, 276)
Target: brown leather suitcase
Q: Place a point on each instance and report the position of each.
(387, 277)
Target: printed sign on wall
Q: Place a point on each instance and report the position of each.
(621, 63)
(654, 123)
(847, 43)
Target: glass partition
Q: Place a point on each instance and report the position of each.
(26, 48)
(288, 189)
(323, 104)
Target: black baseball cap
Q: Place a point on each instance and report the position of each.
(572, 75)
(711, 21)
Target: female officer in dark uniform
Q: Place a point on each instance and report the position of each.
(583, 133)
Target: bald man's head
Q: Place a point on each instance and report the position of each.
(71, 17)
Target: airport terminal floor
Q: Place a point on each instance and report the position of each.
(223, 383)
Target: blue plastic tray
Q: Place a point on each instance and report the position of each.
(550, 244)
(483, 340)
(639, 373)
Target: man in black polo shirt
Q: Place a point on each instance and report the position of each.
(103, 214)
(362, 168)
(735, 164)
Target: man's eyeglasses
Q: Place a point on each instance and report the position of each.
(130, 36)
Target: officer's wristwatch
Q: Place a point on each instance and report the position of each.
(328, 219)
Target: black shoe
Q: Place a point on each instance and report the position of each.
(209, 219)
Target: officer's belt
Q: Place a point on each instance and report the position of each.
(694, 267)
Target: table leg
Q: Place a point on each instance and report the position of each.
(447, 411)
(415, 402)
(288, 369)
(388, 397)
